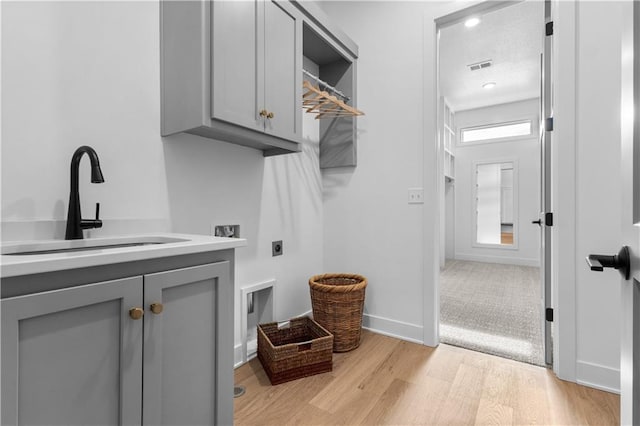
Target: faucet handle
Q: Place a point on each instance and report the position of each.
(92, 223)
(97, 222)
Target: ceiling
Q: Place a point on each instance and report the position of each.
(512, 37)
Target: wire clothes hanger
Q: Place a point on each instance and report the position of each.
(324, 104)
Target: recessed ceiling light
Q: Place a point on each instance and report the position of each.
(489, 85)
(471, 22)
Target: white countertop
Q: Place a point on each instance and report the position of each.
(157, 245)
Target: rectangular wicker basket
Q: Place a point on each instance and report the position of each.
(301, 349)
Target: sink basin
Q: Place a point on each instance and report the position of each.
(69, 246)
(35, 257)
(71, 249)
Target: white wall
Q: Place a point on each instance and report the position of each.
(369, 227)
(526, 153)
(79, 73)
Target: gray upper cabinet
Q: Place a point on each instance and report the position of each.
(256, 66)
(232, 71)
(282, 70)
(235, 89)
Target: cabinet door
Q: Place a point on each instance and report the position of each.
(73, 356)
(236, 88)
(283, 69)
(188, 347)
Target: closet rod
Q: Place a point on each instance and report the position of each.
(327, 85)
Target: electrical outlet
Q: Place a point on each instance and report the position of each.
(276, 248)
(416, 196)
(228, 231)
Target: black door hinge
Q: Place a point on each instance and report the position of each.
(548, 219)
(548, 124)
(548, 314)
(548, 28)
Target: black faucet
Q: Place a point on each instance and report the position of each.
(75, 223)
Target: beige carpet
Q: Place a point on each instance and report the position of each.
(492, 308)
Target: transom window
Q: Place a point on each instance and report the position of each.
(492, 132)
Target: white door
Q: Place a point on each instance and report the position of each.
(630, 235)
(630, 166)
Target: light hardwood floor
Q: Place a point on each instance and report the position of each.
(389, 381)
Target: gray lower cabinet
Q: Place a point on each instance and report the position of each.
(188, 347)
(74, 356)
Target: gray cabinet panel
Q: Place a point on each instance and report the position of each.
(73, 356)
(282, 68)
(212, 73)
(236, 97)
(189, 347)
(184, 60)
(337, 66)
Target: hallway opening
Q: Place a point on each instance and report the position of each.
(489, 114)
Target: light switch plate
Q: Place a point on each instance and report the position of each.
(416, 196)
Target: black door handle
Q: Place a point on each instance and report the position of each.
(539, 222)
(620, 261)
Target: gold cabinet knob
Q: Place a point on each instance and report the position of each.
(136, 313)
(263, 113)
(156, 308)
(270, 115)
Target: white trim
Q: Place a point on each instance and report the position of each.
(237, 356)
(563, 189)
(309, 314)
(432, 173)
(445, 15)
(598, 376)
(523, 261)
(388, 327)
(563, 152)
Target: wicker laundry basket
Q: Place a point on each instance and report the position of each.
(301, 349)
(338, 301)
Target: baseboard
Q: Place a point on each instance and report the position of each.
(598, 376)
(388, 327)
(237, 356)
(498, 259)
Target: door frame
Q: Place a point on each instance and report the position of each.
(563, 185)
(563, 233)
